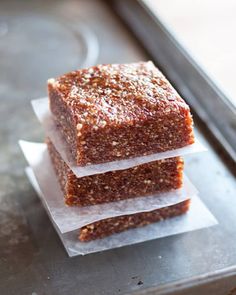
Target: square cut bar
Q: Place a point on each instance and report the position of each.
(106, 227)
(117, 111)
(146, 179)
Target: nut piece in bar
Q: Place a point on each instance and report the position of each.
(117, 111)
(106, 227)
(146, 179)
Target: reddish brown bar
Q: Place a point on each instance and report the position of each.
(112, 112)
(143, 180)
(106, 227)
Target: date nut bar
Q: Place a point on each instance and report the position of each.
(106, 227)
(117, 111)
(142, 180)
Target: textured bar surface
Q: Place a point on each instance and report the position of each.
(112, 112)
(106, 227)
(146, 179)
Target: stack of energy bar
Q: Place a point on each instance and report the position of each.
(114, 112)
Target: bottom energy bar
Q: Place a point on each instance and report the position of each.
(109, 226)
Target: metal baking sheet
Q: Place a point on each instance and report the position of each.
(38, 41)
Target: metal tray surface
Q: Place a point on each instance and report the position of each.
(32, 259)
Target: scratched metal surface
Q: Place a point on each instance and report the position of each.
(37, 41)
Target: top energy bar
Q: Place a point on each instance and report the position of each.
(119, 111)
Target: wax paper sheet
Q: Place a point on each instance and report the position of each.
(41, 109)
(70, 218)
(197, 217)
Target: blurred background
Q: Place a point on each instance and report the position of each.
(206, 29)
